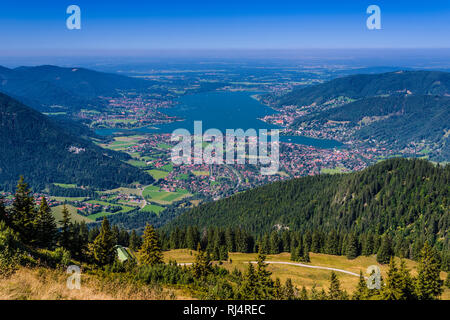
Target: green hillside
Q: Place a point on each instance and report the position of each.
(34, 146)
(72, 88)
(406, 198)
(369, 85)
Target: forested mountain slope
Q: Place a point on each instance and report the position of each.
(407, 198)
(33, 145)
(370, 85)
(73, 88)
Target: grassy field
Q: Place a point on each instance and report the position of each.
(164, 146)
(122, 142)
(302, 276)
(182, 176)
(154, 194)
(137, 163)
(122, 190)
(200, 173)
(157, 174)
(74, 216)
(332, 171)
(152, 208)
(65, 185)
(62, 199)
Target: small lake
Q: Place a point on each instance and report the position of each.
(222, 110)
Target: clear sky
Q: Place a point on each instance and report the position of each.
(39, 26)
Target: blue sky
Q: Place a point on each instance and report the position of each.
(38, 26)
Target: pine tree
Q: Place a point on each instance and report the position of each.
(275, 243)
(333, 243)
(191, 238)
(294, 254)
(305, 256)
(314, 292)
(248, 290)
(202, 264)
(392, 287)
(103, 246)
(335, 292)
(361, 292)
(429, 284)
(66, 226)
(150, 251)
(46, 226)
(385, 252)
(289, 290)
(352, 247)
(265, 283)
(135, 241)
(278, 293)
(368, 245)
(406, 282)
(23, 213)
(316, 242)
(303, 294)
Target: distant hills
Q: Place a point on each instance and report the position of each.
(72, 88)
(407, 198)
(370, 85)
(35, 146)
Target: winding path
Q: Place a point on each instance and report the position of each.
(295, 264)
(310, 266)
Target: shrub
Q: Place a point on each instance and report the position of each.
(10, 248)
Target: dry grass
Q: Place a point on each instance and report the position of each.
(46, 284)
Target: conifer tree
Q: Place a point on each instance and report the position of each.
(361, 292)
(103, 246)
(316, 242)
(150, 251)
(333, 243)
(191, 238)
(305, 256)
(248, 290)
(322, 295)
(314, 292)
(335, 292)
(23, 213)
(66, 225)
(352, 247)
(46, 226)
(406, 282)
(392, 287)
(265, 283)
(368, 245)
(385, 252)
(275, 243)
(135, 241)
(278, 293)
(289, 290)
(294, 254)
(429, 284)
(202, 265)
(303, 294)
